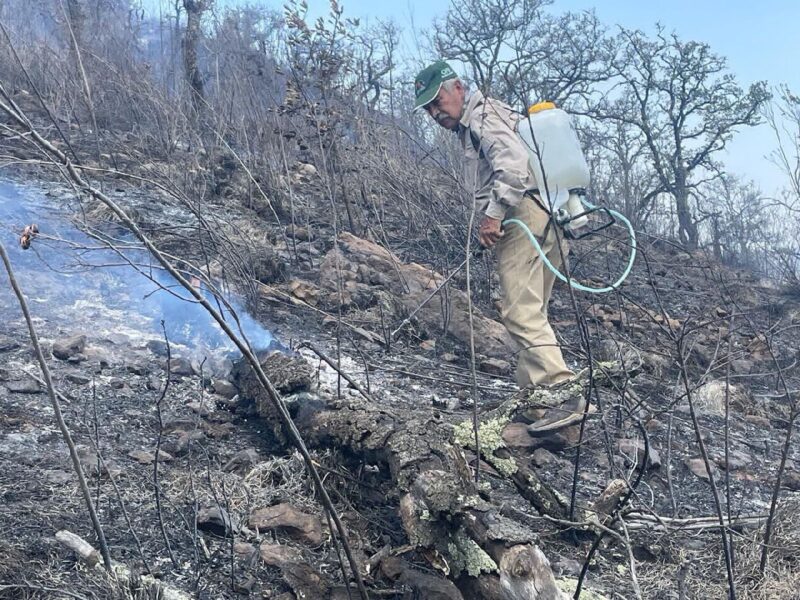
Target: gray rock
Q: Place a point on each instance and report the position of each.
(24, 386)
(118, 338)
(137, 369)
(698, 468)
(543, 457)
(78, 379)
(635, 448)
(224, 388)
(242, 461)
(7, 344)
(495, 366)
(287, 518)
(145, 457)
(157, 347)
(66, 348)
(182, 367)
(791, 480)
(216, 520)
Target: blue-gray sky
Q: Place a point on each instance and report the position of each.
(759, 40)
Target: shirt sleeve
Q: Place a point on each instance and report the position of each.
(501, 146)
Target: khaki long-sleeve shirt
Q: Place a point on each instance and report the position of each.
(497, 169)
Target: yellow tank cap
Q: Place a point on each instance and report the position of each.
(540, 106)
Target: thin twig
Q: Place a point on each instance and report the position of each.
(156, 484)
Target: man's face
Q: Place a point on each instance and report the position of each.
(448, 106)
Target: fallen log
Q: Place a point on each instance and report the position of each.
(451, 522)
(445, 516)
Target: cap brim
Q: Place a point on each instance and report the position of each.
(426, 98)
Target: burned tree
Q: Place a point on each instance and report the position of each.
(478, 31)
(783, 117)
(194, 14)
(522, 53)
(686, 105)
(737, 216)
(75, 27)
(621, 176)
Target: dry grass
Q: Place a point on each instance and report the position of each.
(698, 562)
(782, 577)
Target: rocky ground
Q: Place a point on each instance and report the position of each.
(235, 513)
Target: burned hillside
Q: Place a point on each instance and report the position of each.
(277, 379)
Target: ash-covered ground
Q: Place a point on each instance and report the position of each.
(228, 488)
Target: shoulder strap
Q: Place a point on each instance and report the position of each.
(476, 143)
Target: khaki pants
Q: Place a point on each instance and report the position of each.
(526, 284)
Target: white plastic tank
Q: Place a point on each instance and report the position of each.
(558, 150)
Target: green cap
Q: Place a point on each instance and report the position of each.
(429, 82)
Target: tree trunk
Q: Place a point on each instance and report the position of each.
(75, 26)
(458, 528)
(716, 235)
(687, 229)
(443, 514)
(191, 39)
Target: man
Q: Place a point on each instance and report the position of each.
(497, 170)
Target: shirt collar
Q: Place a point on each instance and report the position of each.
(475, 100)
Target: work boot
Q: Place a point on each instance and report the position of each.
(560, 417)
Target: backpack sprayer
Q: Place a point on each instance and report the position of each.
(557, 162)
(556, 159)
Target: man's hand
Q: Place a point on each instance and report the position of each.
(489, 232)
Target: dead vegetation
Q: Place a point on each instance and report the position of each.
(291, 173)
